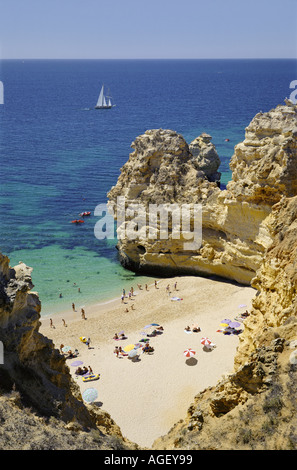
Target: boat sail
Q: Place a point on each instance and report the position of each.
(102, 103)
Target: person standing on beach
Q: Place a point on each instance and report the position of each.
(64, 323)
(73, 307)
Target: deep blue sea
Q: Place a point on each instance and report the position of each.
(60, 156)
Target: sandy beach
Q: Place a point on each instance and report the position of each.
(147, 396)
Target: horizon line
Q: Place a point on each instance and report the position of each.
(149, 58)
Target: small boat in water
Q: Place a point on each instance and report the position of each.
(77, 221)
(104, 102)
(83, 214)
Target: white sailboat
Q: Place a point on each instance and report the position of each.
(102, 103)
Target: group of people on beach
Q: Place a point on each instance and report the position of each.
(84, 370)
(147, 348)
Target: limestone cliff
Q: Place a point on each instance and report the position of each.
(40, 405)
(164, 169)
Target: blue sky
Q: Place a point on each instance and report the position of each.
(148, 29)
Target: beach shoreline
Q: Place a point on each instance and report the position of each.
(148, 396)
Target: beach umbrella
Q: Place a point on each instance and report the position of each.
(226, 320)
(90, 395)
(241, 306)
(205, 341)
(234, 324)
(155, 324)
(189, 352)
(129, 347)
(144, 340)
(65, 349)
(224, 324)
(133, 353)
(77, 363)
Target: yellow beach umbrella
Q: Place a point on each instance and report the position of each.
(224, 324)
(129, 347)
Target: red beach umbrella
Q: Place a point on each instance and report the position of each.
(206, 341)
(189, 352)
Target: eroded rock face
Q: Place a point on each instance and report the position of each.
(264, 164)
(207, 158)
(31, 363)
(276, 279)
(163, 169)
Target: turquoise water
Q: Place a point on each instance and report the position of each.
(60, 157)
(98, 278)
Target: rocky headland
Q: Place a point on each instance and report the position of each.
(164, 169)
(249, 236)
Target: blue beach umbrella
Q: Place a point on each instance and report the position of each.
(76, 363)
(90, 395)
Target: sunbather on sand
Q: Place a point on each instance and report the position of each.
(147, 348)
(195, 329)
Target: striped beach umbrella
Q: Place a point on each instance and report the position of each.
(189, 352)
(205, 341)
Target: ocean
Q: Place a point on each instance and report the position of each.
(60, 156)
